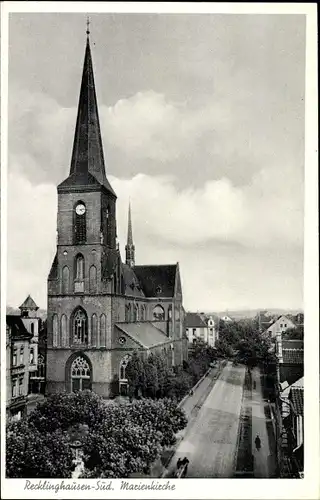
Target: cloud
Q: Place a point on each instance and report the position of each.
(216, 232)
(148, 125)
(40, 136)
(148, 133)
(31, 238)
(265, 213)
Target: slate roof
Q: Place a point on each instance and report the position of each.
(53, 274)
(132, 284)
(292, 356)
(296, 396)
(87, 162)
(157, 281)
(194, 320)
(17, 327)
(29, 303)
(145, 334)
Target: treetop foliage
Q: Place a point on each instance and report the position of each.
(119, 439)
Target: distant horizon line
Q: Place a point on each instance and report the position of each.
(223, 311)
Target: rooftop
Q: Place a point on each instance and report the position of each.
(297, 396)
(194, 320)
(157, 281)
(145, 334)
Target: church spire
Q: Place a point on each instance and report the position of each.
(130, 250)
(87, 161)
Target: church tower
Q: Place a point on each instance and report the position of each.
(86, 271)
(130, 250)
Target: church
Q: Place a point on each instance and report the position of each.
(101, 310)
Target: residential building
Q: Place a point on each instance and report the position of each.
(279, 326)
(100, 309)
(290, 428)
(288, 410)
(200, 326)
(17, 367)
(290, 357)
(36, 362)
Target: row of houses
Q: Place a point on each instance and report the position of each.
(288, 408)
(25, 360)
(288, 405)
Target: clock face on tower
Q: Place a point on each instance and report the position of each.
(80, 209)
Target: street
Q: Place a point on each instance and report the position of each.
(210, 442)
(264, 459)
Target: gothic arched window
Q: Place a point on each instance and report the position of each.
(65, 279)
(122, 369)
(108, 222)
(80, 374)
(172, 354)
(93, 279)
(142, 313)
(135, 312)
(79, 274)
(41, 366)
(63, 330)
(80, 327)
(94, 324)
(80, 225)
(103, 330)
(79, 267)
(177, 314)
(127, 312)
(158, 313)
(55, 330)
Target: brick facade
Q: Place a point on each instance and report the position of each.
(90, 290)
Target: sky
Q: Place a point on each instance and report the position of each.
(202, 120)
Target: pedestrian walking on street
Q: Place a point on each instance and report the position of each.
(185, 463)
(258, 442)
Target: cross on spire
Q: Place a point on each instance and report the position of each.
(87, 161)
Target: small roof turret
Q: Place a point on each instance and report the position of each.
(29, 305)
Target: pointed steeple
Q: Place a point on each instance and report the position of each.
(130, 238)
(87, 161)
(130, 250)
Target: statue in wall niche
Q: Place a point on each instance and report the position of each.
(101, 237)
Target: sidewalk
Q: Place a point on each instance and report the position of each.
(264, 459)
(191, 405)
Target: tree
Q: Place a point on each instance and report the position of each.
(63, 410)
(131, 437)
(31, 453)
(150, 382)
(224, 349)
(294, 333)
(163, 372)
(118, 439)
(179, 383)
(135, 374)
